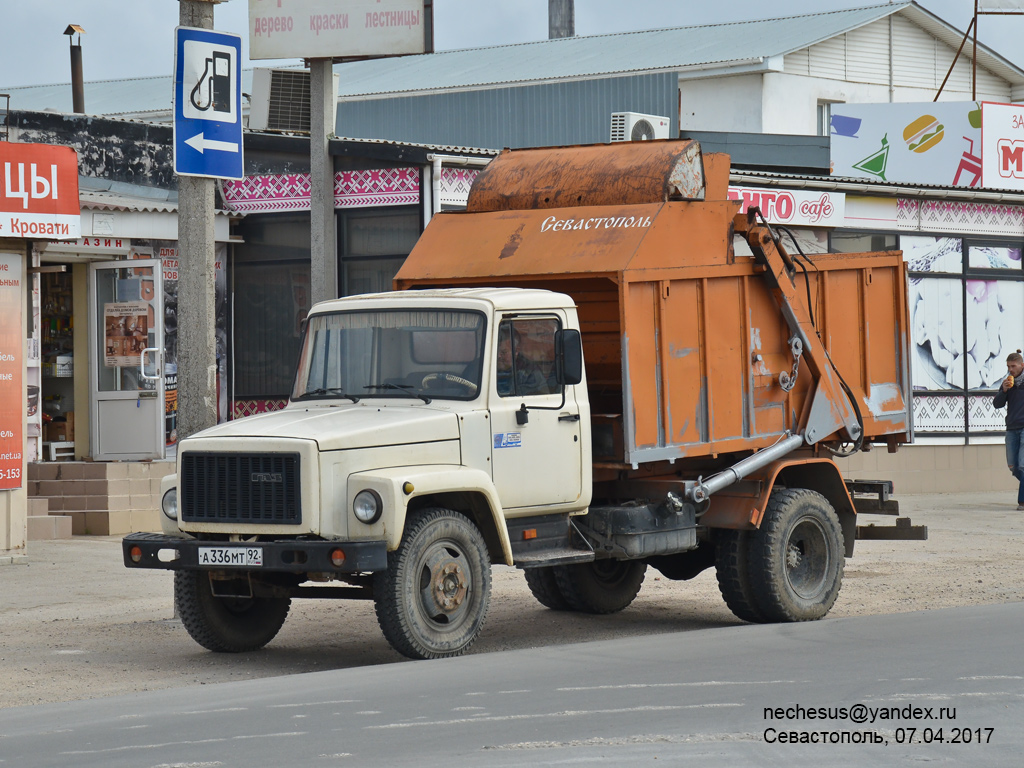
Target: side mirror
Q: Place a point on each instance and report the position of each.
(570, 357)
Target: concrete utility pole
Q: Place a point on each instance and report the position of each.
(197, 345)
(561, 19)
(323, 255)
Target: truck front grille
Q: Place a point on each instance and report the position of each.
(240, 488)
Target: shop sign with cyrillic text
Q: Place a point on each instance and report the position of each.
(798, 207)
(311, 29)
(39, 192)
(12, 389)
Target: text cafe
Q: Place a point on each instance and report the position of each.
(38, 201)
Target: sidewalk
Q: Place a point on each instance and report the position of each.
(75, 623)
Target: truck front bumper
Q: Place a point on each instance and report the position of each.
(157, 550)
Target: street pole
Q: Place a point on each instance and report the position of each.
(197, 349)
(323, 238)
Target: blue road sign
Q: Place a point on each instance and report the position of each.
(207, 103)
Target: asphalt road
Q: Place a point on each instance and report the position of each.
(684, 697)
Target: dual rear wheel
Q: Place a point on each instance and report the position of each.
(599, 587)
(789, 569)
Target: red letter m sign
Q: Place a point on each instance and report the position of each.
(1011, 158)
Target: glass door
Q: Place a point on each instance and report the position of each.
(126, 311)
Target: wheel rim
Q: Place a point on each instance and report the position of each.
(807, 559)
(445, 585)
(610, 573)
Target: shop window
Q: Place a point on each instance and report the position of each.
(933, 254)
(861, 242)
(272, 297)
(374, 245)
(993, 256)
(965, 318)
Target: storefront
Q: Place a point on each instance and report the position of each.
(106, 331)
(966, 303)
(38, 202)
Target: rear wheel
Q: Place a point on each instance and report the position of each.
(600, 586)
(795, 559)
(226, 624)
(544, 586)
(432, 600)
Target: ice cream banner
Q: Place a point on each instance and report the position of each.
(921, 143)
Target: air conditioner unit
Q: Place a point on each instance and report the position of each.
(280, 100)
(632, 126)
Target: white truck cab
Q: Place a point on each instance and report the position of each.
(460, 400)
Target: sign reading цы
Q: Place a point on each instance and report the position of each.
(39, 192)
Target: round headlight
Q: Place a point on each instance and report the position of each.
(367, 507)
(169, 504)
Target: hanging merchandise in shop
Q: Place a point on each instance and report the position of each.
(12, 393)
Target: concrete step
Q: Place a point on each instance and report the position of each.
(48, 527)
(100, 498)
(38, 506)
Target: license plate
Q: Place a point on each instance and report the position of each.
(239, 557)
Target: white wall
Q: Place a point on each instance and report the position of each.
(850, 68)
(730, 103)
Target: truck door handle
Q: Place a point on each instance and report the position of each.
(569, 417)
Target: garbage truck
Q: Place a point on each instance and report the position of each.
(600, 366)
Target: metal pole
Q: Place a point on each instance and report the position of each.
(197, 348)
(323, 258)
(974, 57)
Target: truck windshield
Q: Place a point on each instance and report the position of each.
(422, 353)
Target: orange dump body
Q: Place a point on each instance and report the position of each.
(683, 339)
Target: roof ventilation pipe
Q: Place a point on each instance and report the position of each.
(77, 78)
(561, 19)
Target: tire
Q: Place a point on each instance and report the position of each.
(226, 624)
(432, 600)
(544, 586)
(601, 586)
(795, 559)
(733, 580)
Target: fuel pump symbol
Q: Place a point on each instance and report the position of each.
(213, 91)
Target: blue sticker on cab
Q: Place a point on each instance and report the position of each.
(508, 440)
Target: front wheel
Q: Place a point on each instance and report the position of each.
(600, 586)
(795, 559)
(432, 600)
(226, 624)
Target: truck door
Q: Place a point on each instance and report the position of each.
(536, 454)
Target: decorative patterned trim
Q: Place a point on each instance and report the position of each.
(939, 413)
(278, 193)
(243, 408)
(959, 217)
(455, 184)
(983, 416)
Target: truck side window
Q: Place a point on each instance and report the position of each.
(526, 357)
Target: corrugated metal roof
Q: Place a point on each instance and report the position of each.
(135, 96)
(439, 148)
(726, 45)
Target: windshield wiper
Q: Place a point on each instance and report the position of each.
(402, 387)
(319, 391)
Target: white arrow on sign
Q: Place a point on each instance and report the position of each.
(198, 143)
